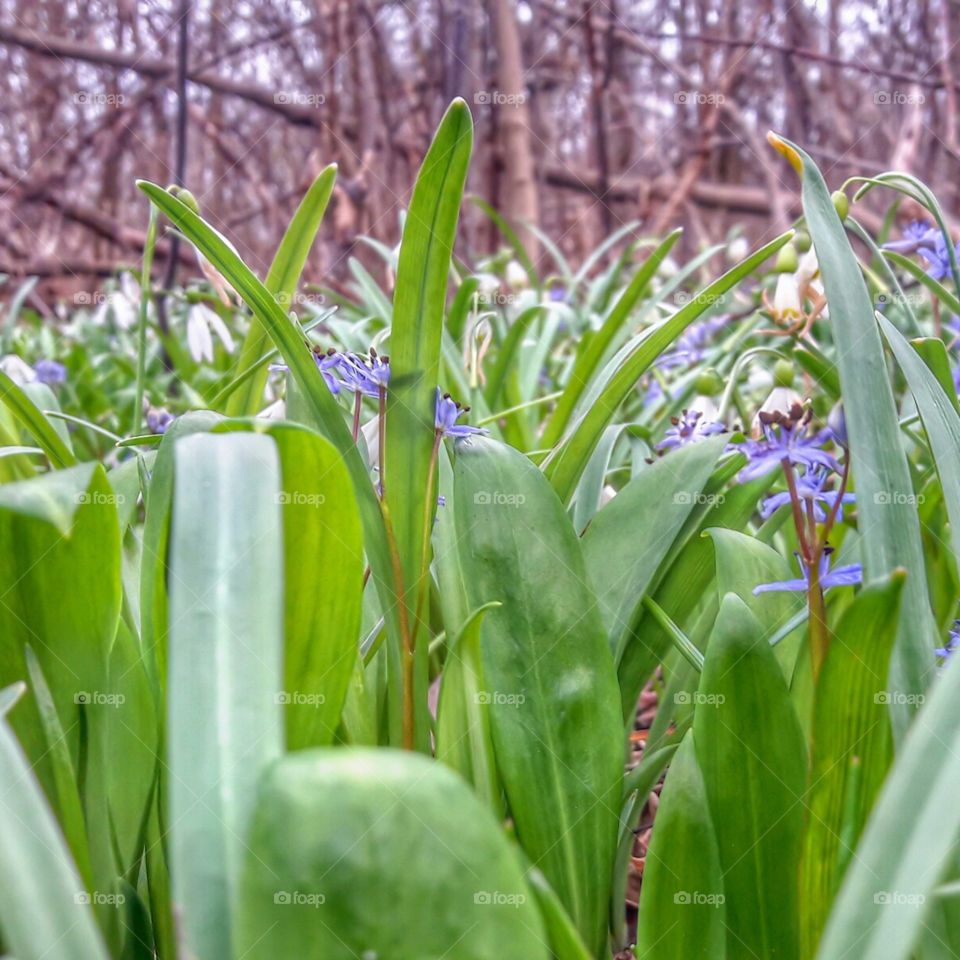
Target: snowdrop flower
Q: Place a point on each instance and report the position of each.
(201, 320)
(17, 369)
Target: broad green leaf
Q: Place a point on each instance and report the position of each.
(415, 340)
(282, 280)
(328, 415)
(851, 747)
(342, 865)
(910, 837)
(44, 906)
(628, 539)
(322, 580)
(463, 722)
(888, 523)
(743, 562)
(593, 350)
(36, 424)
(154, 572)
(940, 421)
(547, 667)
(226, 637)
(583, 435)
(753, 758)
(682, 907)
(681, 584)
(60, 583)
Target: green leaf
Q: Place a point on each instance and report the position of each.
(340, 865)
(851, 746)
(226, 621)
(282, 280)
(44, 908)
(571, 456)
(415, 341)
(154, 572)
(682, 911)
(753, 759)
(940, 421)
(322, 577)
(463, 723)
(628, 539)
(554, 704)
(324, 409)
(889, 526)
(591, 353)
(886, 896)
(39, 427)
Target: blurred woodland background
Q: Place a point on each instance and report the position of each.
(590, 114)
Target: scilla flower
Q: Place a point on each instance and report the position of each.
(953, 641)
(846, 576)
(688, 428)
(785, 437)
(810, 487)
(448, 411)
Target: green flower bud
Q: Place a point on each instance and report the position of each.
(802, 241)
(709, 383)
(186, 198)
(786, 259)
(783, 373)
(841, 203)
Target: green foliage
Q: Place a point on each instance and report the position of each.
(213, 633)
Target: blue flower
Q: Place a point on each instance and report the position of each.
(688, 428)
(845, 576)
(953, 641)
(810, 486)
(785, 436)
(50, 372)
(368, 375)
(158, 419)
(447, 413)
(937, 256)
(916, 234)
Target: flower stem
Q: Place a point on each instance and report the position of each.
(145, 274)
(382, 441)
(357, 406)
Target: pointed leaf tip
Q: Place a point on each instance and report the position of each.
(787, 149)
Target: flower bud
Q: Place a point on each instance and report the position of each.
(840, 203)
(186, 198)
(783, 373)
(709, 383)
(786, 259)
(802, 241)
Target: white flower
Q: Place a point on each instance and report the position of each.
(200, 321)
(786, 299)
(780, 400)
(17, 369)
(516, 276)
